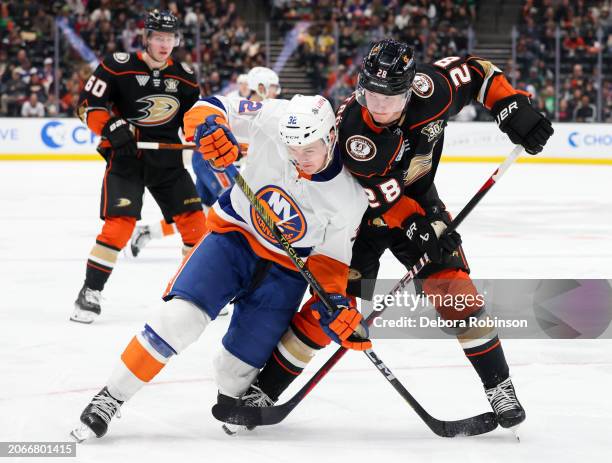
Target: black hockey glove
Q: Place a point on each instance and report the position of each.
(117, 132)
(523, 124)
(427, 233)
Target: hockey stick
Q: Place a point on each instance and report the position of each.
(258, 416)
(149, 145)
(475, 425)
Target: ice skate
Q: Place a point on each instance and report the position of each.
(253, 397)
(506, 406)
(87, 305)
(140, 238)
(96, 416)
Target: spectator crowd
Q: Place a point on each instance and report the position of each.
(578, 22)
(435, 28)
(27, 33)
(329, 49)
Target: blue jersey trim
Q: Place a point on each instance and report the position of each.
(225, 203)
(331, 171)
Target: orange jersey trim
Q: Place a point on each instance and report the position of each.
(192, 84)
(367, 118)
(500, 88)
(400, 211)
(477, 70)
(219, 225)
(104, 188)
(97, 119)
(121, 73)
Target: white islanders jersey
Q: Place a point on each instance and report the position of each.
(319, 214)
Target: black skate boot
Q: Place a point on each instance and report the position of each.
(96, 416)
(140, 238)
(87, 305)
(508, 410)
(253, 397)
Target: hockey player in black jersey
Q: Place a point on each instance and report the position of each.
(391, 133)
(129, 98)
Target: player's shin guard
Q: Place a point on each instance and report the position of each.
(115, 234)
(483, 349)
(296, 348)
(175, 325)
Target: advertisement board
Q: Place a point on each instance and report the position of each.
(69, 139)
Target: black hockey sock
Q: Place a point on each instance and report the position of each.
(489, 362)
(100, 264)
(277, 375)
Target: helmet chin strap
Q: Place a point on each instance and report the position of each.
(329, 156)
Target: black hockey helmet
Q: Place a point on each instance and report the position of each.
(388, 68)
(161, 21)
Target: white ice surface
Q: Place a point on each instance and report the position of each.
(541, 221)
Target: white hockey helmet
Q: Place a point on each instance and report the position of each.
(307, 119)
(264, 76)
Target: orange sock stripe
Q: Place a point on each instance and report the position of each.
(166, 228)
(283, 366)
(140, 362)
(105, 270)
(484, 351)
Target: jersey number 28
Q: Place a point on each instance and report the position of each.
(390, 190)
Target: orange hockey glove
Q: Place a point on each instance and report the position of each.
(216, 143)
(342, 325)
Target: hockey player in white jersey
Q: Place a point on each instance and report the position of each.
(295, 169)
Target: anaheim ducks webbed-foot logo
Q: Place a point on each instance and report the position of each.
(159, 109)
(285, 213)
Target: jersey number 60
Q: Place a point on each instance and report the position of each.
(95, 86)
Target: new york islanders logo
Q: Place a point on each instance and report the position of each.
(284, 211)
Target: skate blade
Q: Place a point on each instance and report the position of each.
(514, 430)
(81, 434)
(83, 316)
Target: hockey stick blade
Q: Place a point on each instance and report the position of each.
(265, 416)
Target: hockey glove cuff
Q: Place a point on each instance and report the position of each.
(343, 325)
(117, 132)
(428, 235)
(523, 124)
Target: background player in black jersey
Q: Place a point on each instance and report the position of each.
(391, 132)
(138, 97)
